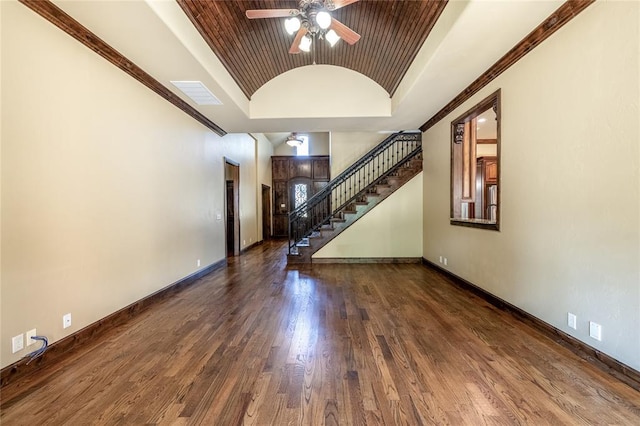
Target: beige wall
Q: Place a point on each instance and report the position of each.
(336, 92)
(486, 150)
(393, 229)
(348, 147)
(1, 127)
(570, 230)
(390, 229)
(109, 193)
(264, 151)
(245, 155)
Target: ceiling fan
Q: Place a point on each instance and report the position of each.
(312, 19)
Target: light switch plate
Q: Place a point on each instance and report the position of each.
(572, 321)
(17, 343)
(595, 330)
(30, 334)
(66, 321)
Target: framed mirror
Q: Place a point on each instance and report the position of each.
(475, 166)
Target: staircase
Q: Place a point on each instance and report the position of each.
(353, 193)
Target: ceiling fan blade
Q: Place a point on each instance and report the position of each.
(342, 3)
(295, 46)
(271, 13)
(346, 33)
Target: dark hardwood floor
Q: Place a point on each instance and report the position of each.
(348, 344)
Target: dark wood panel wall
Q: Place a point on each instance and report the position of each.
(255, 51)
(287, 170)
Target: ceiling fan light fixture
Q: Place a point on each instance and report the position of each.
(310, 22)
(292, 25)
(323, 19)
(332, 37)
(305, 43)
(292, 140)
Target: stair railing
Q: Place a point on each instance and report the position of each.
(352, 184)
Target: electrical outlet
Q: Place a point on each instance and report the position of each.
(198, 262)
(30, 334)
(66, 321)
(17, 343)
(445, 261)
(572, 320)
(595, 330)
(244, 242)
(440, 259)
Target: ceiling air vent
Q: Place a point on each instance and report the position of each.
(198, 92)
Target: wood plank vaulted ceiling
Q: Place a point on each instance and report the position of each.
(255, 51)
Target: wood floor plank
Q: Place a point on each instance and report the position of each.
(260, 343)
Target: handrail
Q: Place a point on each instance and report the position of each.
(352, 183)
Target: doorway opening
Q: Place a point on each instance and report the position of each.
(266, 212)
(232, 201)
